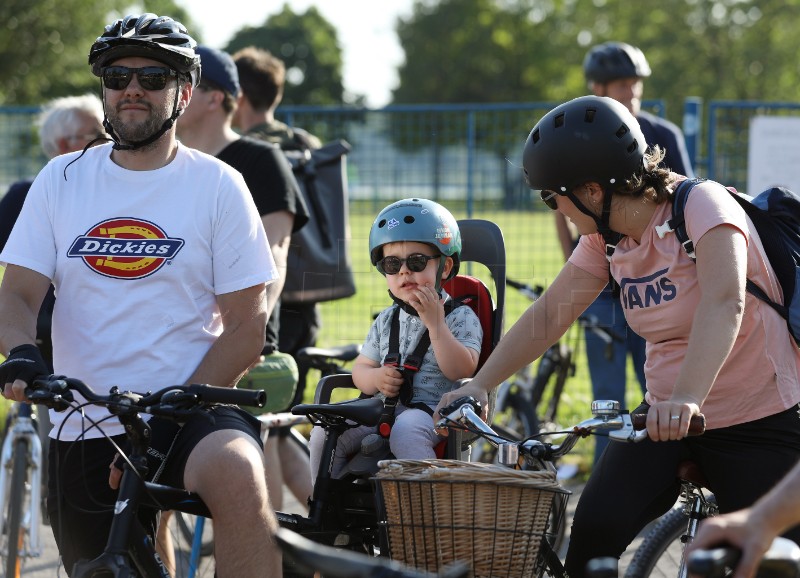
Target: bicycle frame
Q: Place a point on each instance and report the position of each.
(22, 428)
(128, 541)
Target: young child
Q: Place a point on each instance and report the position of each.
(416, 245)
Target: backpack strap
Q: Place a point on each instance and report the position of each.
(677, 224)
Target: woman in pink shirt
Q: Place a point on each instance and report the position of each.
(711, 346)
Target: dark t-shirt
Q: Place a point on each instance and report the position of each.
(269, 177)
(661, 132)
(10, 206)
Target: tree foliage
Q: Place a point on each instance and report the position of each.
(532, 50)
(45, 44)
(309, 46)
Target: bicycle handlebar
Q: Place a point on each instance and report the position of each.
(620, 426)
(176, 401)
(782, 560)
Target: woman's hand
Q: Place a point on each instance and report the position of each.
(669, 420)
(463, 387)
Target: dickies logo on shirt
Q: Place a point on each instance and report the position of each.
(125, 248)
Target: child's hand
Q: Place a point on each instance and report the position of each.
(428, 305)
(389, 380)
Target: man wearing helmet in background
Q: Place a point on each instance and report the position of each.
(415, 244)
(145, 321)
(617, 70)
(712, 347)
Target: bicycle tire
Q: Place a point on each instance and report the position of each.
(661, 550)
(186, 524)
(18, 499)
(555, 366)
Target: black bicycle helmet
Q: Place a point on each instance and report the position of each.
(587, 139)
(612, 60)
(158, 37)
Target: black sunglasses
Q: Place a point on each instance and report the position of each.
(416, 263)
(549, 198)
(150, 77)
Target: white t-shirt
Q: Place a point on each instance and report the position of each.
(137, 258)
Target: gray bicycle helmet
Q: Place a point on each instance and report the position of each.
(418, 220)
(612, 60)
(158, 37)
(587, 139)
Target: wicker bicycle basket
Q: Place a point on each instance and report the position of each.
(439, 511)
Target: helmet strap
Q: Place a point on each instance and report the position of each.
(439, 273)
(610, 237)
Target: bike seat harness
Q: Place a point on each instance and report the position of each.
(409, 366)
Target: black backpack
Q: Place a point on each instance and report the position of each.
(775, 213)
(318, 266)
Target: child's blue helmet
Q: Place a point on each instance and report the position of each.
(417, 220)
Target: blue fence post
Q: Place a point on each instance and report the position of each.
(470, 161)
(692, 119)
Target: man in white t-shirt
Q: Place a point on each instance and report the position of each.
(160, 265)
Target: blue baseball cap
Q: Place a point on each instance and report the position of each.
(218, 67)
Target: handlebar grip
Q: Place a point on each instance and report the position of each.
(697, 425)
(229, 395)
(712, 563)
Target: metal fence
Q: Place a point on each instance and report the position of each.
(466, 156)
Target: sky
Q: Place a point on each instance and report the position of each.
(371, 51)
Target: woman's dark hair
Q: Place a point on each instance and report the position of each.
(652, 182)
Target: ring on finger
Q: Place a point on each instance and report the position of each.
(675, 417)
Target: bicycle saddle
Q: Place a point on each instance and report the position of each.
(362, 411)
(343, 352)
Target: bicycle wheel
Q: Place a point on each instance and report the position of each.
(661, 550)
(554, 367)
(515, 420)
(17, 503)
(186, 525)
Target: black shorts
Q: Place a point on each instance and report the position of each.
(178, 448)
(81, 518)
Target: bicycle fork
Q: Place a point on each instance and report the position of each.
(23, 429)
(696, 507)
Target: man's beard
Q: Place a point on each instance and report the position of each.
(130, 132)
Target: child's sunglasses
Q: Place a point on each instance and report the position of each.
(150, 77)
(549, 198)
(416, 263)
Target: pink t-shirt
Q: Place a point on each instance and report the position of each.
(660, 294)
